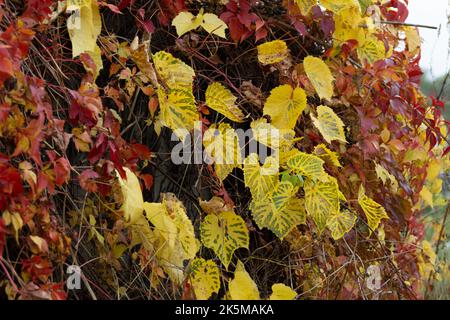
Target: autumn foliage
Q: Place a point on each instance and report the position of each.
(91, 91)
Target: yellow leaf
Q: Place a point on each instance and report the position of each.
(427, 196)
(412, 39)
(370, 50)
(280, 212)
(282, 292)
(15, 220)
(340, 223)
(307, 165)
(260, 179)
(173, 237)
(434, 169)
(186, 21)
(347, 25)
(242, 287)
(320, 76)
(133, 202)
(84, 25)
(327, 155)
(174, 72)
(272, 52)
(321, 201)
(178, 111)
(223, 101)
(329, 124)
(373, 210)
(215, 205)
(204, 278)
(284, 106)
(385, 176)
(338, 5)
(281, 140)
(222, 145)
(224, 233)
(305, 6)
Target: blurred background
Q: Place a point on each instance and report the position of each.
(435, 64)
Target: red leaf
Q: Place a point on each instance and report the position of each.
(87, 178)
(110, 6)
(3, 231)
(62, 171)
(148, 180)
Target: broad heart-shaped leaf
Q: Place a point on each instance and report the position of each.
(84, 25)
(281, 212)
(205, 278)
(320, 76)
(133, 202)
(272, 52)
(186, 21)
(224, 233)
(277, 139)
(329, 124)
(321, 200)
(174, 72)
(242, 287)
(373, 210)
(282, 292)
(341, 223)
(305, 6)
(284, 106)
(338, 5)
(178, 111)
(370, 50)
(327, 155)
(222, 145)
(307, 165)
(261, 180)
(223, 101)
(174, 237)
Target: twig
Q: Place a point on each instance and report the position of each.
(407, 24)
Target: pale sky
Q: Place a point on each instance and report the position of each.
(435, 43)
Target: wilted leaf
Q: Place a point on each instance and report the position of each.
(327, 155)
(340, 223)
(174, 72)
(224, 233)
(284, 106)
(178, 111)
(223, 101)
(280, 212)
(373, 210)
(205, 278)
(272, 52)
(260, 179)
(329, 124)
(320, 76)
(321, 201)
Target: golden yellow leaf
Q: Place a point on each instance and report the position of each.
(412, 39)
(224, 233)
(15, 220)
(174, 72)
(282, 292)
(307, 165)
(173, 237)
(223, 101)
(321, 200)
(340, 223)
(178, 111)
(347, 25)
(222, 145)
(281, 140)
(205, 278)
(320, 76)
(272, 52)
(327, 155)
(284, 106)
(242, 287)
(386, 176)
(370, 50)
(329, 124)
(84, 25)
(261, 180)
(305, 6)
(186, 21)
(373, 210)
(338, 5)
(133, 202)
(280, 212)
(427, 196)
